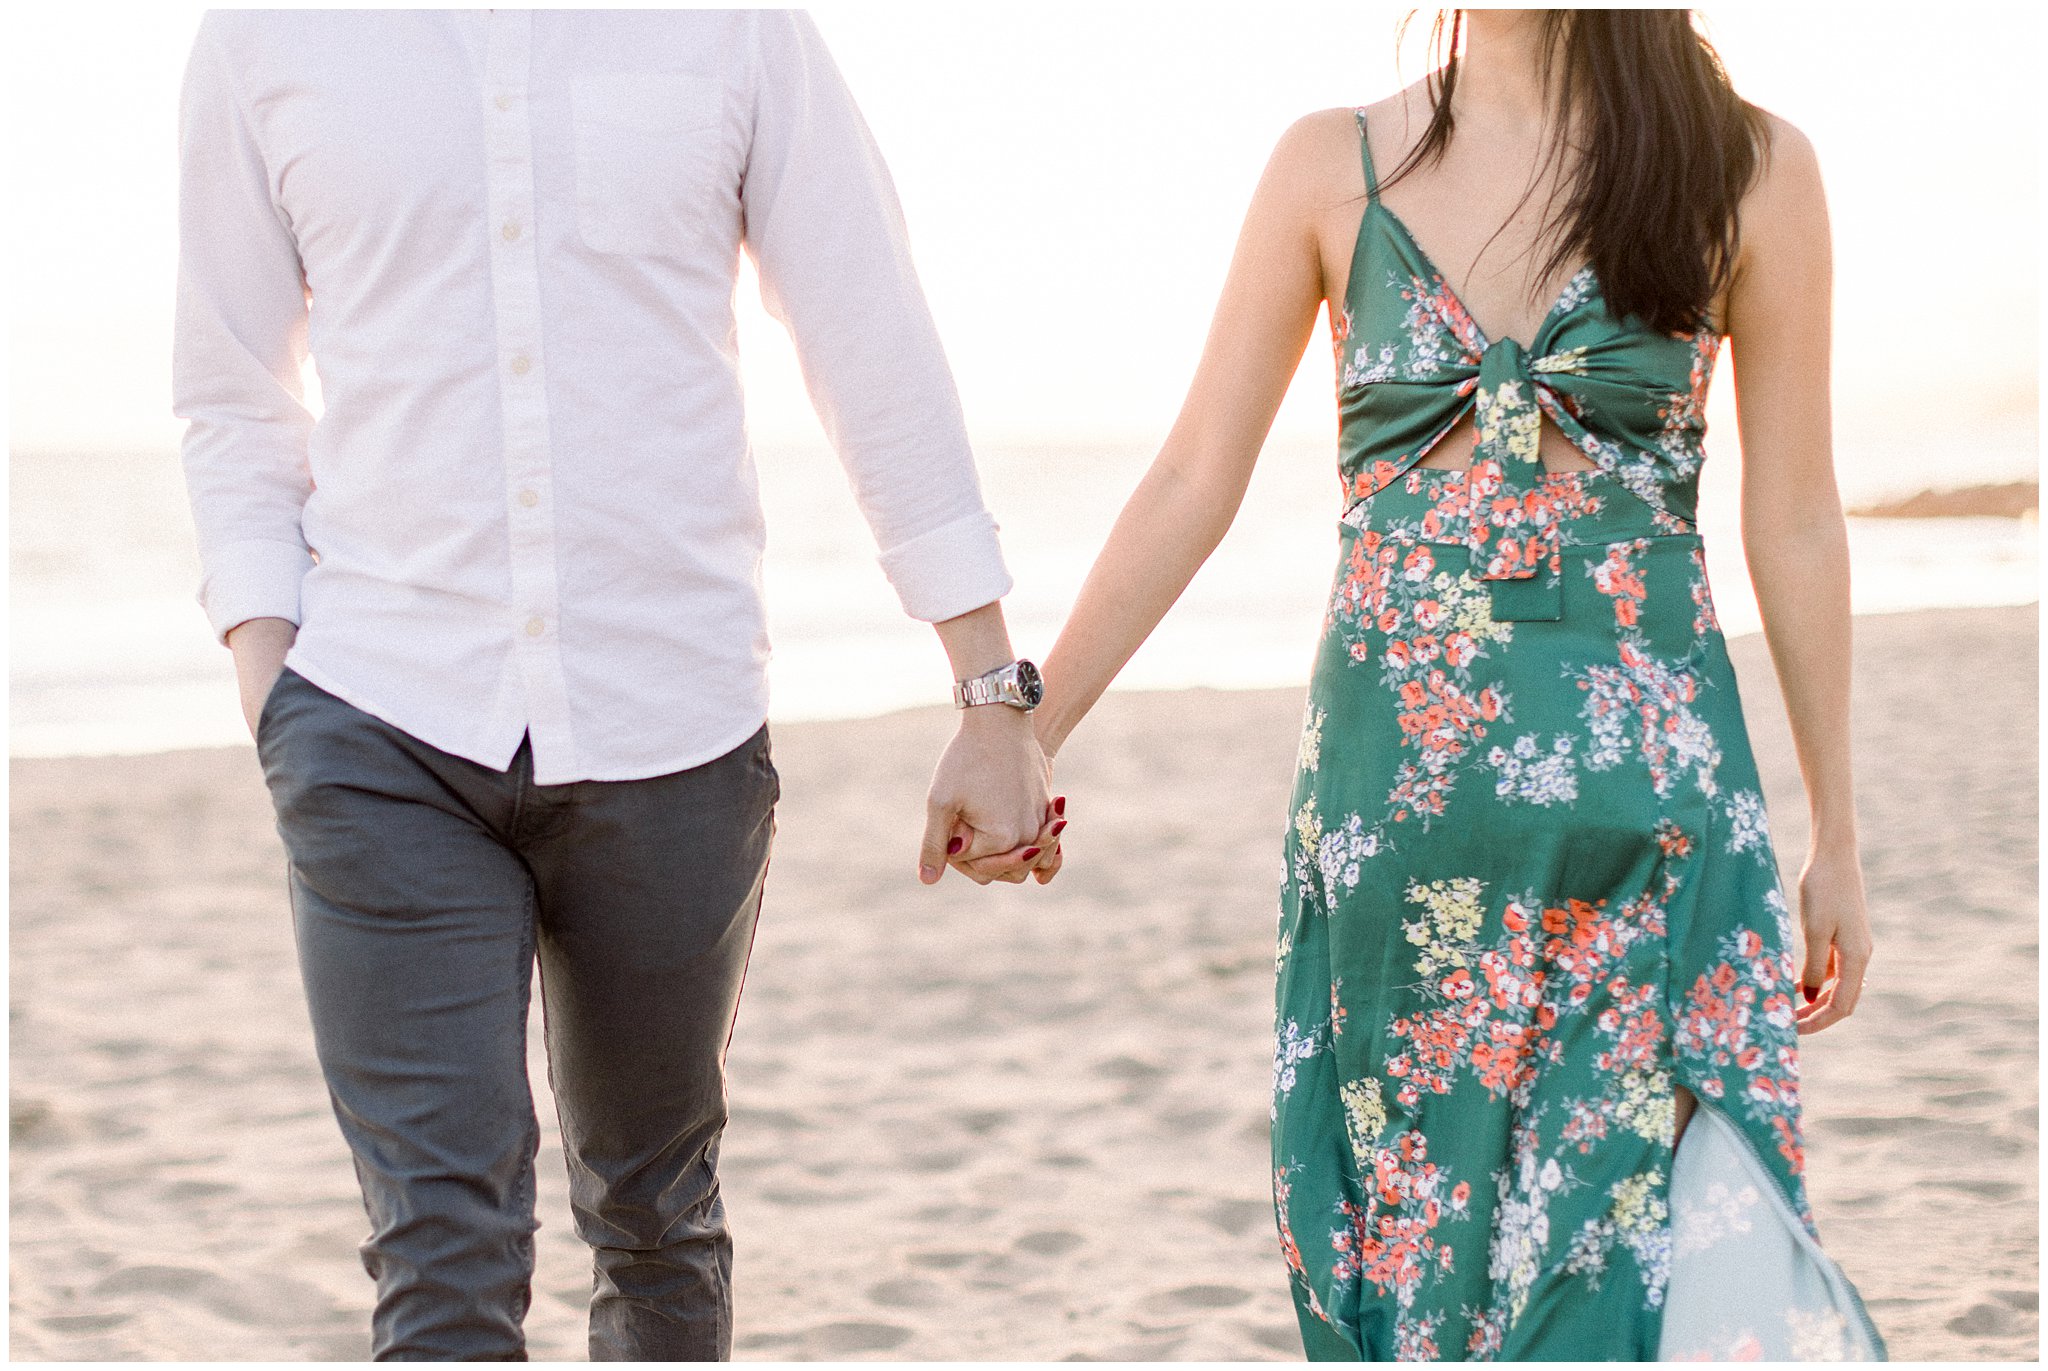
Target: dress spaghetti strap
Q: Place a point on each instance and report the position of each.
(1372, 181)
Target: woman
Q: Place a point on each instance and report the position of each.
(1532, 937)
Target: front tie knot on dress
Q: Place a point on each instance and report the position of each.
(1516, 537)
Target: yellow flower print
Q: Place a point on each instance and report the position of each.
(1572, 360)
(1366, 1113)
(1638, 1207)
(1450, 923)
(1309, 825)
(1504, 418)
(1646, 1106)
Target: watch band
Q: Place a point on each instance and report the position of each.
(980, 690)
(1016, 684)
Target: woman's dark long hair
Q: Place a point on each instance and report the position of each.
(1666, 151)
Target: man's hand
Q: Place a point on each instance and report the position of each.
(990, 800)
(259, 646)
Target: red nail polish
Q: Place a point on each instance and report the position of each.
(1811, 992)
(1030, 852)
(1057, 827)
(1059, 804)
(953, 848)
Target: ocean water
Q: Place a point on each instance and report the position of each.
(110, 653)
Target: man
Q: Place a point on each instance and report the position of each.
(496, 615)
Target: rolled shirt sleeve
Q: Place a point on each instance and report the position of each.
(239, 344)
(826, 232)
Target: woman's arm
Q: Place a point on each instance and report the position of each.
(1185, 502)
(1796, 543)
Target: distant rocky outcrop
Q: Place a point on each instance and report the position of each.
(2005, 500)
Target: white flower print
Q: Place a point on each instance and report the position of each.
(1644, 705)
(1385, 365)
(1339, 851)
(1291, 1047)
(1533, 775)
(1748, 827)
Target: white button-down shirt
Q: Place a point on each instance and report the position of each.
(509, 241)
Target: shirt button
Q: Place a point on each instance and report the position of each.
(504, 102)
(536, 626)
(511, 231)
(529, 497)
(521, 364)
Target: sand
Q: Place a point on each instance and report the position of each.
(1009, 1123)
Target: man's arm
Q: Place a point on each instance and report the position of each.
(826, 232)
(239, 344)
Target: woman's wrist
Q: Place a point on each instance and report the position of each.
(1828, 839)
(1050, 722)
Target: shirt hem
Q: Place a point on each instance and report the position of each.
(693, 757)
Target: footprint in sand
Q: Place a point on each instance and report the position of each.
(1209, 1296)
(1987, 1321)
(981, 1122)
(941, 1261)
(1054, 1243)
(1192, 1122)
(1238, 1217)
(957, 1214)
(29, 1121)
(82, 1323)
(838, 1339)
(1128, 1069)
(933, 1162)
(907, 1292)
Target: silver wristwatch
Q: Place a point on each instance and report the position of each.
(1017, 684)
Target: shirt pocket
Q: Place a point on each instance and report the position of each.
(648, 161)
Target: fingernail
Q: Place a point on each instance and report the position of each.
(953, 848)
(1059, 804)
(1057, 827)
(928, 874)
(1030, 852)
(1811, 992)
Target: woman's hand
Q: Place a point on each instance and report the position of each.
(1039, 857)
(1838, 943)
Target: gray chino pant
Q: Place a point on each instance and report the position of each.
(424, 887)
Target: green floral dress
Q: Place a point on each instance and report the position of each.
(1530, 889)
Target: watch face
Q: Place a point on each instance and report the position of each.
(1029, 683)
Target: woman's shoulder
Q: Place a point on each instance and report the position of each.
(1785, 200)
(1783, 256)
(1330, 129)
(1320, 136)
(1786, 159)
(1321, 154)
(1315, 162)
(1318, 163)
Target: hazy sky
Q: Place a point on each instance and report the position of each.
(1074, 176)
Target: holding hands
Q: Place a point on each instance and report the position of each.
(991, 812)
